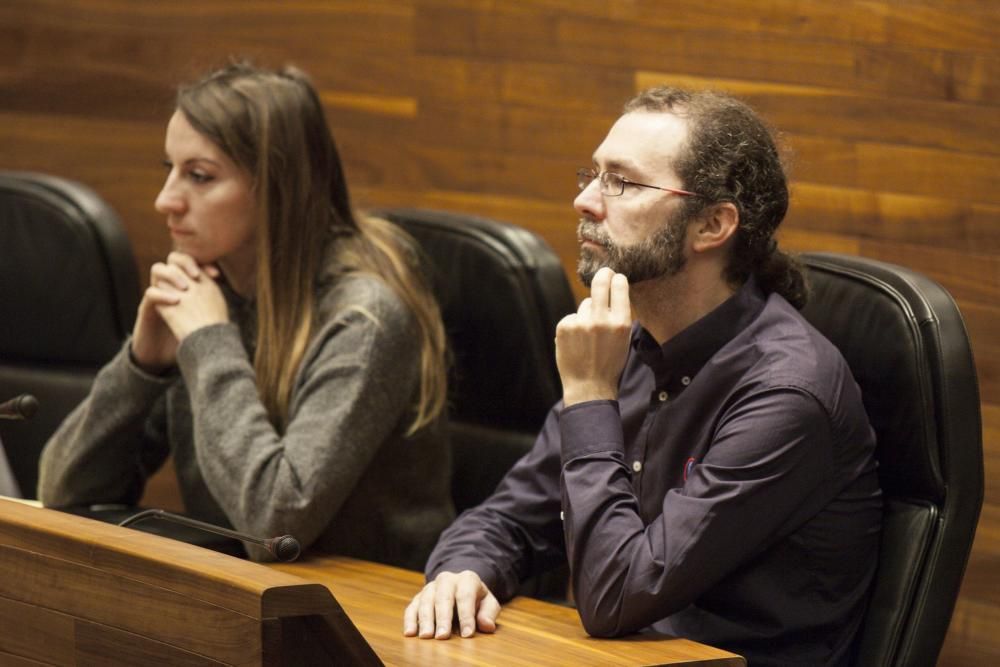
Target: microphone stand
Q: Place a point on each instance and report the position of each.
(285, 548)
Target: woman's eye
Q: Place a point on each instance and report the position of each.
(199, 176)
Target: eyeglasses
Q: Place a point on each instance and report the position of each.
(613, 185)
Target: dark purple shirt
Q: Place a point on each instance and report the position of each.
(729, 495)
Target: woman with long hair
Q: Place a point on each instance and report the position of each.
(287, 353)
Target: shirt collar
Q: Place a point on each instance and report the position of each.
(678, 360)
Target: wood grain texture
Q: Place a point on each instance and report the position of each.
(530, 633)
(46, 636)
(87, 592)
(78, 591)
(889, 110)
(97, 644)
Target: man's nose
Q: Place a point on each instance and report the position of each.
(590, 201)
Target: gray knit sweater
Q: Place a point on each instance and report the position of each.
(342, 478)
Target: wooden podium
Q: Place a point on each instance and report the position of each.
(77, 591)
(74, 591)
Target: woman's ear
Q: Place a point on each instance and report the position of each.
(715, 226)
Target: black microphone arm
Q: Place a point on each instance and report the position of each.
(284, 548)
(20, 407)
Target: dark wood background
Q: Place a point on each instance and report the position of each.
(890, 109)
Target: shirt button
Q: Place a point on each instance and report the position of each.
(637, 465)
(685, 380)
(562, 516)
(664, 396)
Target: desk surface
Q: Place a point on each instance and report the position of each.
(529, 632)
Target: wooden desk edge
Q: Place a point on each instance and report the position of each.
(375, 595)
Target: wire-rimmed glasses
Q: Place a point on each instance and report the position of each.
(613, 185)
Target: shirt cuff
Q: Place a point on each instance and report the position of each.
(167, 376)
(131, 377)
(590, 427)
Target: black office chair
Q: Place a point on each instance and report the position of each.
(502, 291)
(69, 291)
(905, 342)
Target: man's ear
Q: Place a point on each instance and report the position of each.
(715, 226)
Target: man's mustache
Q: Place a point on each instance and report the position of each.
(593, 232)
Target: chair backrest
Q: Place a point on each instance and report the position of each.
(502, 291)
(905, 342)
(69, 291)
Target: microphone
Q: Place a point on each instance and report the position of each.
(284, 548)
(20, 407)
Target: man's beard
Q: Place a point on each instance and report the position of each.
(660, 255)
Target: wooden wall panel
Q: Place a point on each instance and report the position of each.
(846, 113)
(889, 110)
(895, 218)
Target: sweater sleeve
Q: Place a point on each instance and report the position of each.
(354, 389)
(111, 443)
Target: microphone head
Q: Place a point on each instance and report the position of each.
(285, 548)
(27, 405)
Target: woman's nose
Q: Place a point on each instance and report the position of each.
(169, 200)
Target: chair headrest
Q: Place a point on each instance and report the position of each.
(501, 290)
(68, 284)
(895, 328)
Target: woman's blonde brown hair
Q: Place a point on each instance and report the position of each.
(272, 124)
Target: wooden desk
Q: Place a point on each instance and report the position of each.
(78, 591)
(529, 632)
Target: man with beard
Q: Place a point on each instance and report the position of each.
(710, 470)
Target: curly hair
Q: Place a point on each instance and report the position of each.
(730, 156)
